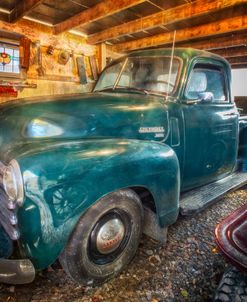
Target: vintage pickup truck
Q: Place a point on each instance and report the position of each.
(83, 176)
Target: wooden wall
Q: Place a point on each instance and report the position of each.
(58, 78)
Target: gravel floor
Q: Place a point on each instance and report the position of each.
(188, 268)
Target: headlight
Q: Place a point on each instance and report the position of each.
(13, 183)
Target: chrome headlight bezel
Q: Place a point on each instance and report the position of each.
(13, 182)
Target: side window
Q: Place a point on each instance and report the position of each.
(206, 78)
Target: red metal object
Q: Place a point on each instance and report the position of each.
(8, 91)
(231, 237)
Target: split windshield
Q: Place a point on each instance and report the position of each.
(144, 74)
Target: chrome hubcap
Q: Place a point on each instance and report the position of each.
(110, 235)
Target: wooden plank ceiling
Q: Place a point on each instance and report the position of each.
(126, 25)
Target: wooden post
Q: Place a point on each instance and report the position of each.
(102, 56)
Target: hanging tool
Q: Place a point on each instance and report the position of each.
(40, 69)
(81, 70)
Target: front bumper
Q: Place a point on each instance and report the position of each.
(16, 271)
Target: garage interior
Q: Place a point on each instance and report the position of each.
(51, 36)
(60, 47)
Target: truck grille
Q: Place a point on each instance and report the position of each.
(8, 217)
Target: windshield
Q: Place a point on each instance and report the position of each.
(148, 74)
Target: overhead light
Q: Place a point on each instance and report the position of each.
(37, 21)
(78, 33)
(72, 31)
(2, 10)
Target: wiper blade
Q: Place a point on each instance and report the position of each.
(143, 91)
(105, 89)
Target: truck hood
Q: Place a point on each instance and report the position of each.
(75, 117)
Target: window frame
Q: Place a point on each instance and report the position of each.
(23, 43)
(15, 45)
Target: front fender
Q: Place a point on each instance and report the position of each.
(62, 180)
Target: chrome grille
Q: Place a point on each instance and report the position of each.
(8, 209)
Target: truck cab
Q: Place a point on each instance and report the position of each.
(201, 115)
(90, 173)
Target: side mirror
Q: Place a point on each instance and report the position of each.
(206, 97)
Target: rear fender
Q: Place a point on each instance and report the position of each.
(63, 180)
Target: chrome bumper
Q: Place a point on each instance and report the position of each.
(16, 271)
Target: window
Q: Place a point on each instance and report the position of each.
(141, 73)
(14, 56)
(9, 59)
(207, 79)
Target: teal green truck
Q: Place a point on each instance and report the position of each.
(83, 176)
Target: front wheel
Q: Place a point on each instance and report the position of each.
(105, 239)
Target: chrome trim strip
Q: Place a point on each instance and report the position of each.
(18, 175)
(2, 168)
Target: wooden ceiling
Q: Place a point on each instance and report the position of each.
(126, 25)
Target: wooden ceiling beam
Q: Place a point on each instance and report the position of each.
(22, 8)
(4, 17)
(239, 66)
(238, 60)
(232, 52)
(102, 9)
(231, 40)
(210, 30)
(167, 17)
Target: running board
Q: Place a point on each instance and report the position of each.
(198, 199)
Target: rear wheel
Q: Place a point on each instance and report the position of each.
(105, 239)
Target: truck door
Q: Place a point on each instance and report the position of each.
(211, 125)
